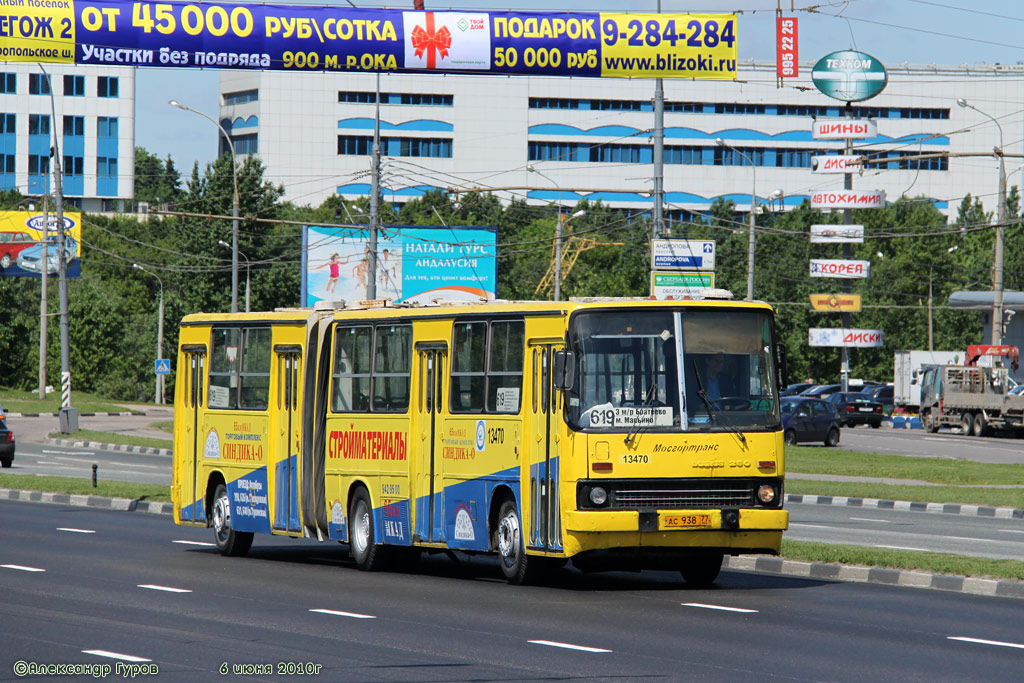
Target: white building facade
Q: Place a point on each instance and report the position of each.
(95, 125)
(550, 139)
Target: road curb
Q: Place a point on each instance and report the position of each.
(82, 500)
(128, 413)
(912, 578)
(941, 508)
(1002, 588)
(144, 450)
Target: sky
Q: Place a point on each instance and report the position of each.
(917, 32)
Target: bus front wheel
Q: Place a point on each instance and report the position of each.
(230, 542)
(516, 565)
(369, 556)
(702, 570)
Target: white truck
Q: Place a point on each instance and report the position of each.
(907, 368)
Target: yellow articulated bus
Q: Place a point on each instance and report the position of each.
(615, 433)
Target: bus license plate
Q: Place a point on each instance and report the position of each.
(686, 521)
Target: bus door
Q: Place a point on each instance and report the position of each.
(544, 414)
(192, 489)
(429, 493)
(287, 438)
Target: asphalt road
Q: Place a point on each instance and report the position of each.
(944, 444)
(87, 586)
(907, 530)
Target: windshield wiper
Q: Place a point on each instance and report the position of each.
(635, 430)
(713, 413)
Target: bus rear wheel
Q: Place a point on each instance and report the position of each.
(367, 553)
(702, 570)
(230, 542)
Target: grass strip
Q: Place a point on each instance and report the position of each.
(933, 494)
(937, 563)
(114, 438)
(107, 489)
(15, 401)
(809, 460)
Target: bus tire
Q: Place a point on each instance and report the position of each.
(702, 570)
(516, 565)
(230, 542)
(368, 554)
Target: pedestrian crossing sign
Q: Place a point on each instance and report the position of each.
(162, 366)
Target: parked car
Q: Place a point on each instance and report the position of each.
(12, 244)
(809, 419)
(30, 258)
(857, 409)
(883, 393)
(6, 444)
(794, 389)
(821, 390)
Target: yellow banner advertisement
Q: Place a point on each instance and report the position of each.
(836, 303)
(22, 234)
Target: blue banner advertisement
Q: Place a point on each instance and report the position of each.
(414, 264)
(22, 237)
(305, 38)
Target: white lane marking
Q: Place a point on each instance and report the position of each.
(351, 615)
(75, 531)
(202, 543)
(22, 568)
(68, 452)
(167, 589)
(1012, 531)
(719, 607)
(976, 540)
(567, 646)
(116, 655)
(811, 526)
(868, 519)
(982, 641)
(903, 547)
(933, 438)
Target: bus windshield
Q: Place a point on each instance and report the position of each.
(671, 371)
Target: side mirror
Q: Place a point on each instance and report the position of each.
(564, 369)
(780, 359)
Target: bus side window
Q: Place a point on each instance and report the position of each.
(255, 371)
(391, 367)
(505, 366)
(351, 380)
(469, 354)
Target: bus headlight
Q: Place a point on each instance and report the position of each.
(766, 494)
(598, 496)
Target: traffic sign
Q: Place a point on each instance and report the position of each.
(162, 366)
(682, 254)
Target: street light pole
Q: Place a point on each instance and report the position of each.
(242, 254)
(751, 238)
(159, 398)
(234, 202)
(68, 415)
(997, 267)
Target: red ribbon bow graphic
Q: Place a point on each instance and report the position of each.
(431, 41)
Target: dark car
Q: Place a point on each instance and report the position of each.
(6, 444)
(794, 389)
(821, 390)
(809, 419)
(883, 393)
(857, 409)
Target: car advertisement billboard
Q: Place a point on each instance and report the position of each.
(22, 235)
(414, 264)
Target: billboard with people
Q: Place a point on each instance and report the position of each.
(414, 264)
